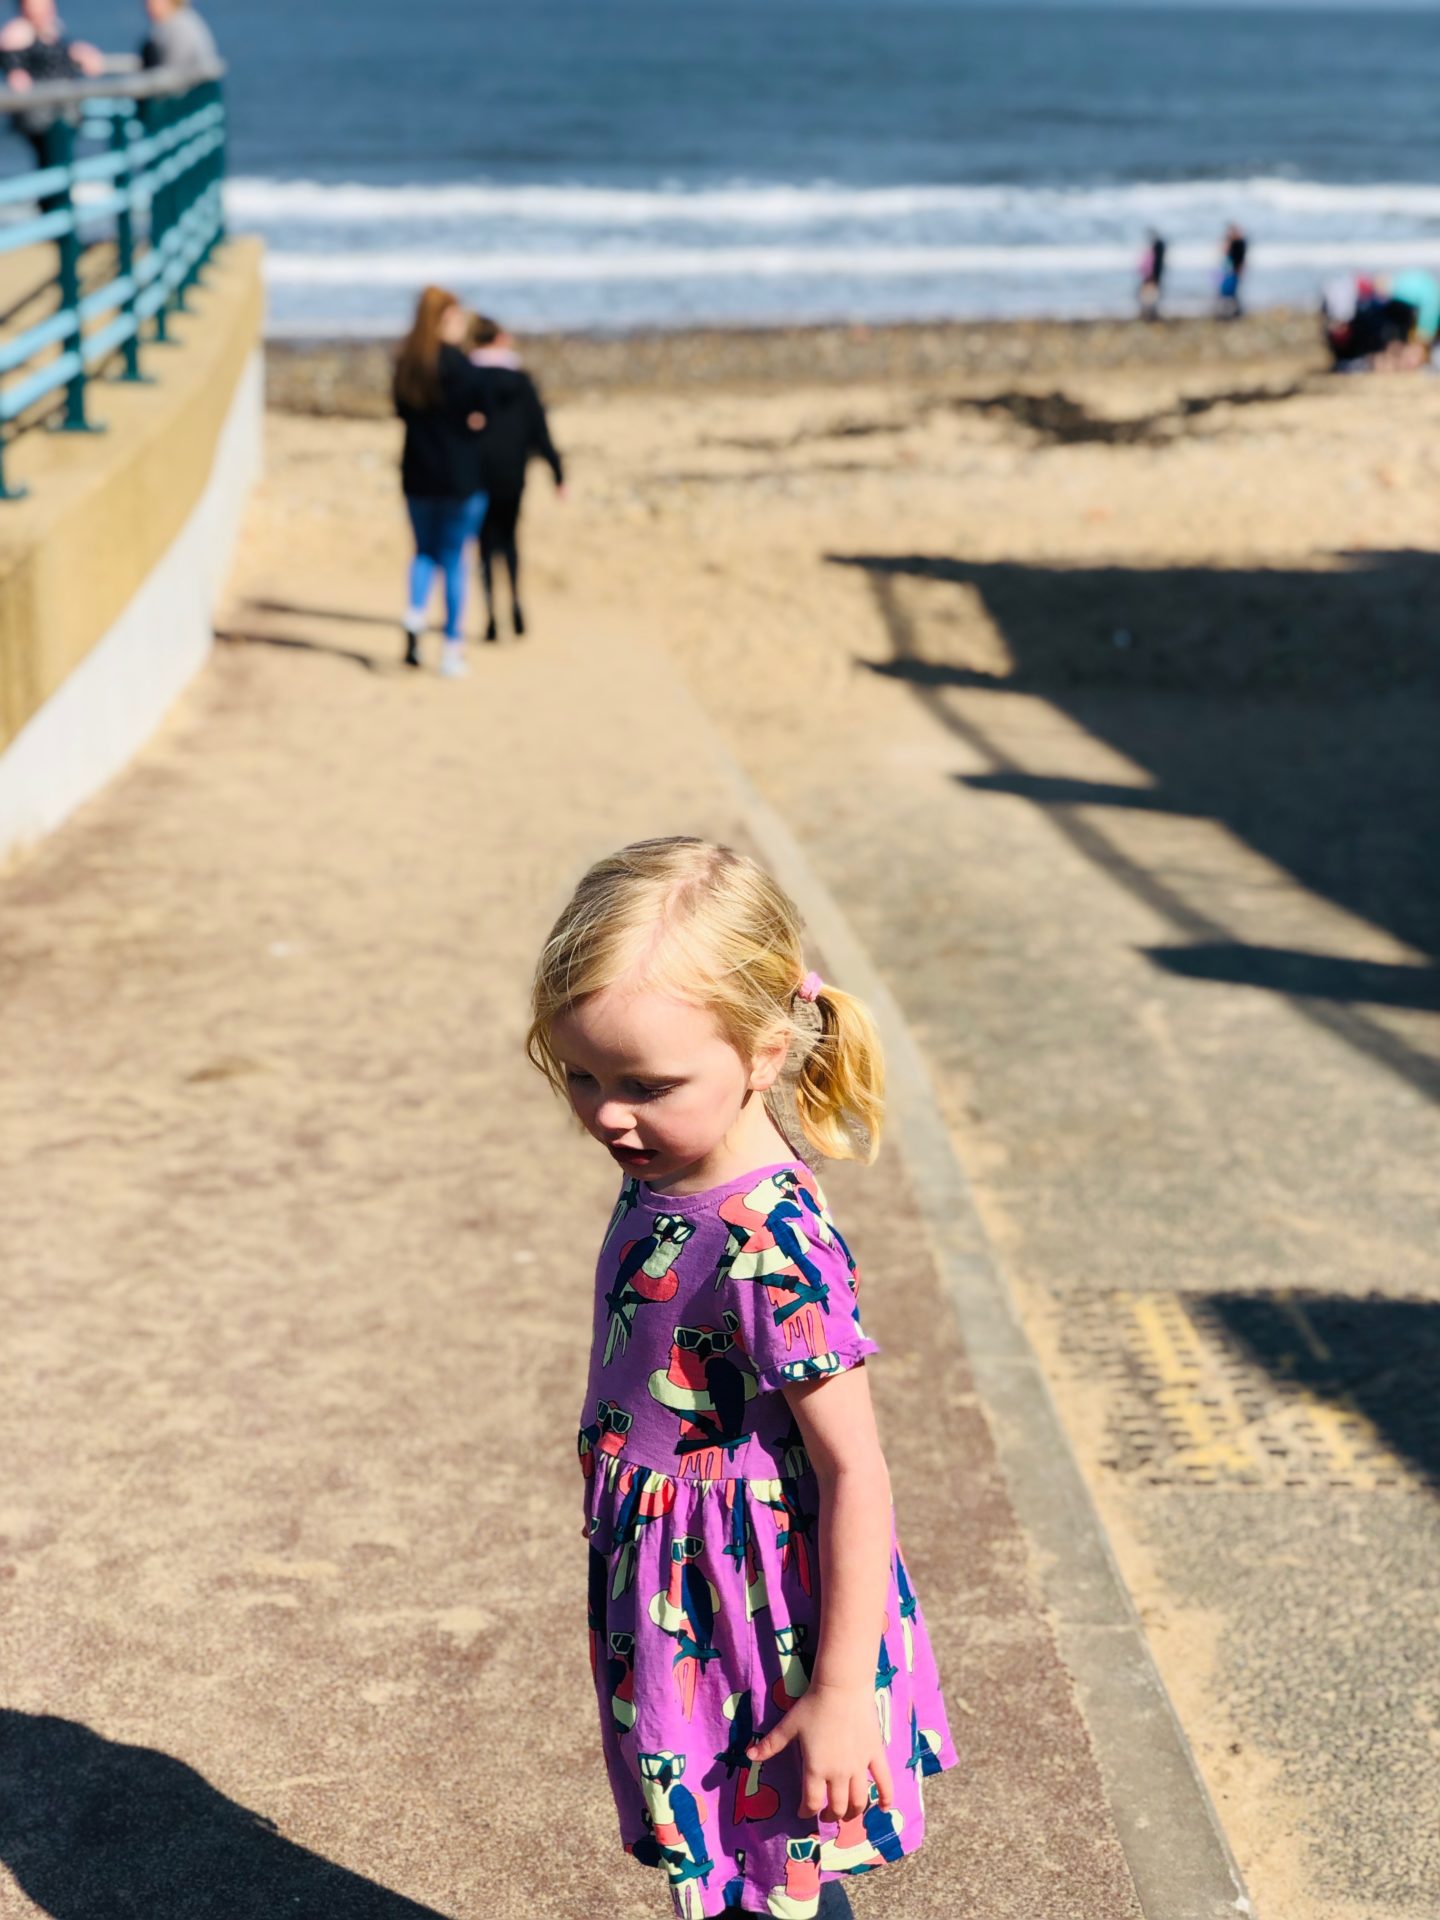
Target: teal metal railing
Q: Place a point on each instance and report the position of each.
(131, 192)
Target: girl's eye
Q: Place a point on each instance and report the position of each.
(650, 1093)
(575, 1078)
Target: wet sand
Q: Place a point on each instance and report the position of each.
(352, 377)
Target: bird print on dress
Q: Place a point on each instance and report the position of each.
(707, 1382)
(646, 1273)
(702, 1514)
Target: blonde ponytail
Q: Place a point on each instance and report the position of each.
(839, 1091)
(710, 926)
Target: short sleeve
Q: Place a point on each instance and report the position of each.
(787, 1276)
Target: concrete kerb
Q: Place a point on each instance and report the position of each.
(1174, 1846)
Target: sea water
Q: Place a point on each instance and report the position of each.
(621, 163)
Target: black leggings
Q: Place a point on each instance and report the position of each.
(499, 534)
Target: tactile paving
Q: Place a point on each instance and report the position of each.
(1263, 1390)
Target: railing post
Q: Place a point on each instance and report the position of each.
(153, 120)
(60, 152)
(182, 190)
(193, 180)
(212, 174)
(222, 159)
(121, 135)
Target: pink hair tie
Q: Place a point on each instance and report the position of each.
(811, 987)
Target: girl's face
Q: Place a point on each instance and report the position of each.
(656, 1082)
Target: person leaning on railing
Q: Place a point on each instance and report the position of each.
(35, 48)
(179, 40)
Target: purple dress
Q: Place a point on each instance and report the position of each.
(704, 1569)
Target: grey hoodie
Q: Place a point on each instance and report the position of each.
(183, 44)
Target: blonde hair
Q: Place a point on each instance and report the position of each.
(710, 926)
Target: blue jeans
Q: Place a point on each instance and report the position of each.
(443, 529)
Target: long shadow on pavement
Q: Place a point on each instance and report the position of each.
(1376, 1359)
(1299, 709)
(94, 1830)
(292, 643)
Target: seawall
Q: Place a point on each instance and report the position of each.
(111, 566)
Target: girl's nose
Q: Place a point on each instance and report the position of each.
(614, 1116)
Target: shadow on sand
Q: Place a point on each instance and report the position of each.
(1300, 710)
(93, 1830)
(292, 643)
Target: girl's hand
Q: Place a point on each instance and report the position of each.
(839, 1733)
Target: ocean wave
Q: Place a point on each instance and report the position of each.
(264, 202)
(415, 267)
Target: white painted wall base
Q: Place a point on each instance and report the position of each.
(105, 711)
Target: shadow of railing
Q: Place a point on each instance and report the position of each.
(1374, 1361)
(1298, 709)
(91, 1829)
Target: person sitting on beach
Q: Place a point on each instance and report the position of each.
(443, 402)
(518, 432)
(1370, 328)
(179, 40)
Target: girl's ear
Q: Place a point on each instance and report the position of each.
(768, 1063)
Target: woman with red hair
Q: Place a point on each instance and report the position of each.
(443, 402)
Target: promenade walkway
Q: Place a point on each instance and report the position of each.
(297, 1260)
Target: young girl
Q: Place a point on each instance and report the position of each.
(769, 1703)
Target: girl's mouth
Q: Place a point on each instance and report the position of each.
(632, 1156)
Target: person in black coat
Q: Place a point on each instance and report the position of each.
(517, 432)
(444, 402)
(35, 50)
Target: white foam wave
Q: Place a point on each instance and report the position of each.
(463, 269)
(261, 202)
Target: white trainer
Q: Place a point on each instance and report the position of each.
(453, 664)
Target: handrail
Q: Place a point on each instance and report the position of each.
(154, 83)
(152, 211)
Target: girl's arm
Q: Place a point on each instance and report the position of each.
(836, 1719)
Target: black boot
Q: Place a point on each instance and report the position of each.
(412, 648)
(519, 622)
(492, 632)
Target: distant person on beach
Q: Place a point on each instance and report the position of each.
(1152, 276)
(1375, 327)
(179, 40)
(443, 401)
(1235, 251)
(518, 432)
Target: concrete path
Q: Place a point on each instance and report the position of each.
(296, 1299)
(1171, 955)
